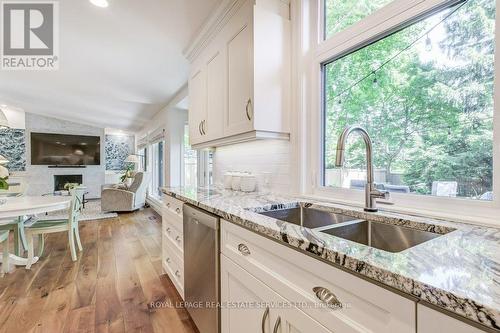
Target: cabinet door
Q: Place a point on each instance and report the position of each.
(292, 320)
(197, 105)
(244, 300)
(214, 123)
(249, 306)
(239, 113)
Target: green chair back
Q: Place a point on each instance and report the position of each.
(76, 204)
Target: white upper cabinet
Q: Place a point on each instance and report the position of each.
(197, 105)
(239, 114)
(239, 87)
(214, 122)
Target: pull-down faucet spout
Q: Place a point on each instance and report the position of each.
(371, 193)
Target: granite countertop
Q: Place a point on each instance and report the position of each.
(459, 272)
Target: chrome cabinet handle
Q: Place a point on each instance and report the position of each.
(168, 204)
(277, 325)
(264, 318)
(244, 250)
(177, 273)
(178, 210)
(178, 238)
(327, 297)
(203, 127)
(199, 128)
(168, 230)
(168, 260)
(248, 109)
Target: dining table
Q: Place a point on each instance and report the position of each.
(11, 208)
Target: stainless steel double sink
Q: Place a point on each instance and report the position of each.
(387, 237)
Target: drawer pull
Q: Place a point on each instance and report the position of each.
(177, 273)
(178, 210)
(178, 238)
(168, 260)
(264, 318)
(277, 325)
(327, 297)
(244, 250)
(169, 230)
(168, 204)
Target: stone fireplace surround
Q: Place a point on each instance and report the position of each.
(40, 178)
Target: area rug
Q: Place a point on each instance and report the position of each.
(92, 211)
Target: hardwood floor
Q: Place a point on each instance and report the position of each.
(116, 285)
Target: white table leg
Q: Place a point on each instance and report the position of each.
(18, 261)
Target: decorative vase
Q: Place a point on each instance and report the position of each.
(128, 181)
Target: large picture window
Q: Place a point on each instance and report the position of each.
(340, 14)
(190, 161)
(425, 95)
(157, 168)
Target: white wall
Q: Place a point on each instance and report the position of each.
(172, 119)
(265, 158)
(176, 119)
(16, 118)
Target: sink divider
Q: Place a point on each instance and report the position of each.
(338, 225)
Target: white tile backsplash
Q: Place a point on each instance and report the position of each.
(271, 157)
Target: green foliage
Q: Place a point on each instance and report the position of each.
(3, 183)
(128, 173)
(430, 109)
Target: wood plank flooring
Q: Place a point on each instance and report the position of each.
(111, 288)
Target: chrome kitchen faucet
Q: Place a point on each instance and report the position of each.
(371, 193)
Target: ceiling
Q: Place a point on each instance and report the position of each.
(118, 65)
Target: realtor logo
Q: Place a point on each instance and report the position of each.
(29, 35)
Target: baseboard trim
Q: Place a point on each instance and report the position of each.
(156, 204)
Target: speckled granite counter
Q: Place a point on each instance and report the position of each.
(459, 272)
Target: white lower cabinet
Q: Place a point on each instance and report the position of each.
(172, 242)
(326, 297)
(432, 321)
(249, 306)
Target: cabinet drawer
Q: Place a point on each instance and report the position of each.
(172, 218)
(174, 236)
(174, 240)
(173, 205)
(173, 265)
(430, 321)
(366, 307)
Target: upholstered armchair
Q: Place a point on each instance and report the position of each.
(125, 199)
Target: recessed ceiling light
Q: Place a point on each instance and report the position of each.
(100, 3)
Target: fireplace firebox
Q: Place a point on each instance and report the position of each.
(61, 180)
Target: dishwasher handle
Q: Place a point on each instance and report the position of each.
(195, 215)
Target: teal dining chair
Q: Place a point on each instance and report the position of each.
(4, 240)
(69, 225)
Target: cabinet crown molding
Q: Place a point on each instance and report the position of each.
(212, 27)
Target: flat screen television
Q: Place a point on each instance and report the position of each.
(65, 150)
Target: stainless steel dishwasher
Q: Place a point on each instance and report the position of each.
(201, 268)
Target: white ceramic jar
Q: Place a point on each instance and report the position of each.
(248, 183)
(228, 180)
(236, 181)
